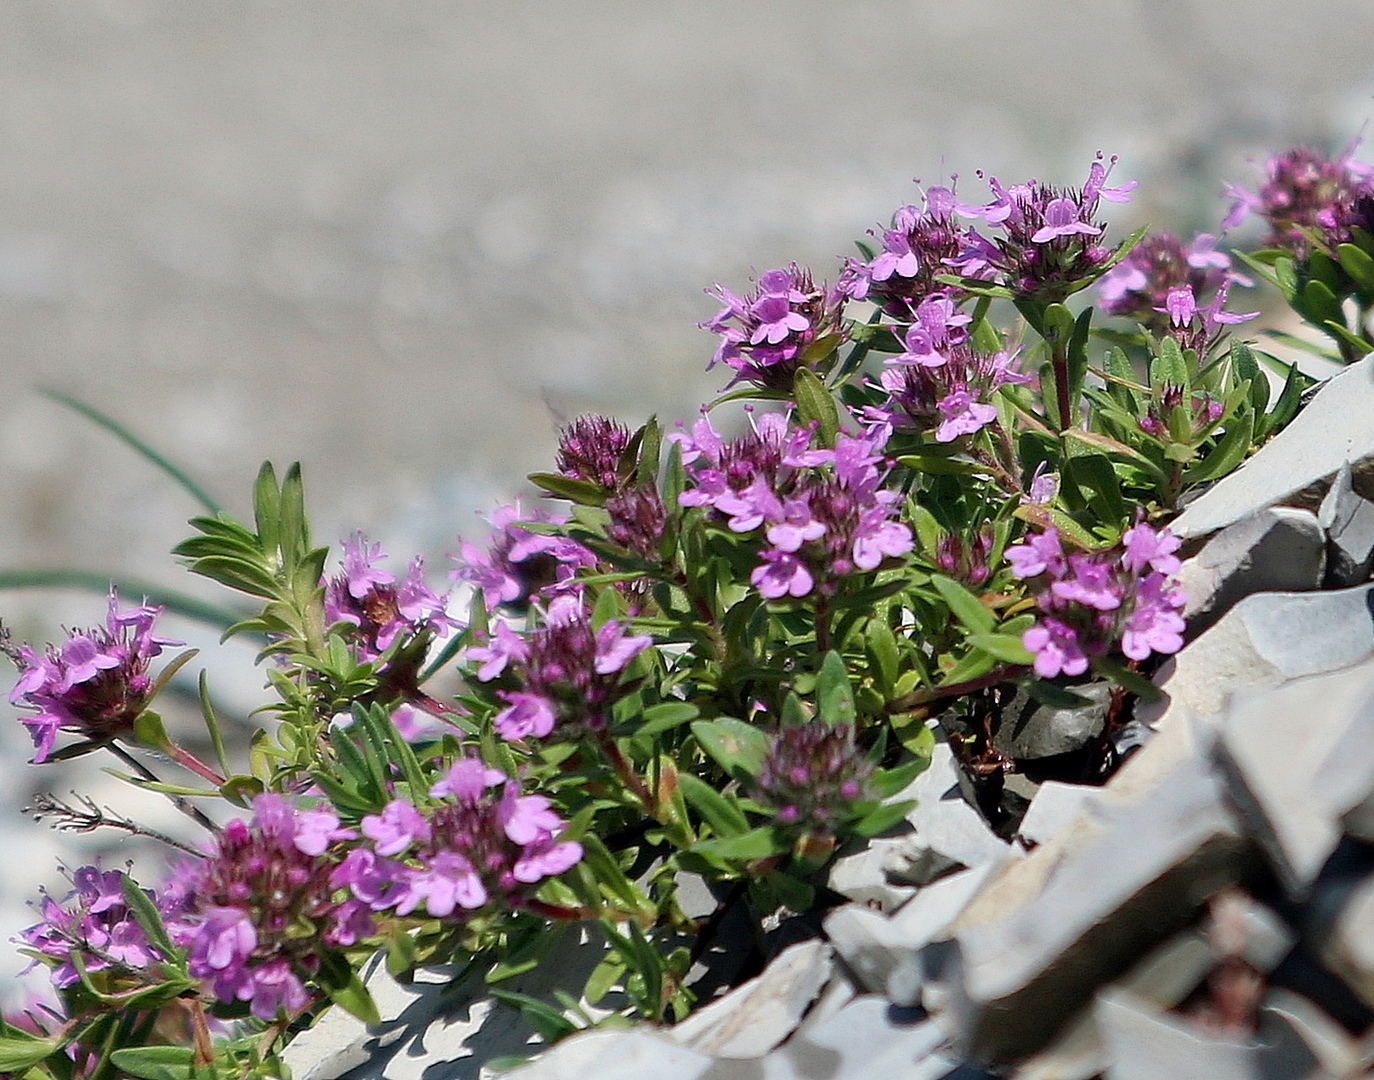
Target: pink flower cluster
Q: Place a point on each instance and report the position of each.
(922, 243)
(1046, 242)
(824, 513)
(93, 921)
(380, 609)
(563, 671)
(950, 391)
(519, 564)
(1090, 602)
(480, 846)
(257, 913)
(764, 335)
(1139, 286)
(96, 683)
(813, 775)
(1304, 192)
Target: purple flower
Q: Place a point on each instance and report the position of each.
(765, 335)
(519, 564)
(594, 449)
(1047, 247)
(525, 714)
(480, 848)
(1139, 286)
(256, 913)
(1056, 648)
(921, 244)
(91, 921)
(1092, 602)
(396, 828)
(96, 683)
(380, 611)
(1306, 193)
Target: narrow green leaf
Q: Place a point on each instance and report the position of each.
(267, 507)
(758, 843)
(664, 717)
(155, 1062)
(815, 404)
(90, 412)
(650, 451)
(1169, 368)
(145, 912)
(723, 815)
(19, 1053)
(566, 487)
(737, 747)
(966, 607)
(1006, 647)
(834, 693)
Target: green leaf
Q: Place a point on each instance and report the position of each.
(881, 818)
(1357, 263)
(757, 843)
(548, 1021)
(966, 607)
(90, 412)
(737, 747)
(1169, 368)
(650, 451)
(888, 782)
(156, 1062)
(566, 487)
(1227, 454)
(815, 404)
(20, 1052)
(149, 731)
(267, 507)
(1319, 304)
(722, 814)
(603, 979)
(1095, 440)
(1120, 673)
(834, 694)
(147, 915)
(354, 998)
(662, 717)
(1006, 647)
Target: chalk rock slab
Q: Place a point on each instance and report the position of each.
(1122, 889)
(1294, 755)
(754, 1018)
(1278, 549)
(1263, 642)
(1296, 466)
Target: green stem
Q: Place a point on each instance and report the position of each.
(917, 698)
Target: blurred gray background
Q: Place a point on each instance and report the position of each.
(397, 241)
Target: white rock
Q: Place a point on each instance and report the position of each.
(1055, 805)
(1263, 642)
(755, 1017)
(1294, 467)
(1277, 746)
(1135, 879)
(1278, 549)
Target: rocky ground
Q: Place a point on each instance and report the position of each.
(1208, 913)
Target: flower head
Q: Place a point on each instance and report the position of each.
(96, 683)
(519, 564)
(93, 921)
(1090, 602)
(486, 844)
(813, 776)
(1139, 286)
(765, 334)
(1306, 193)
(380, 610)
(257, 914)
